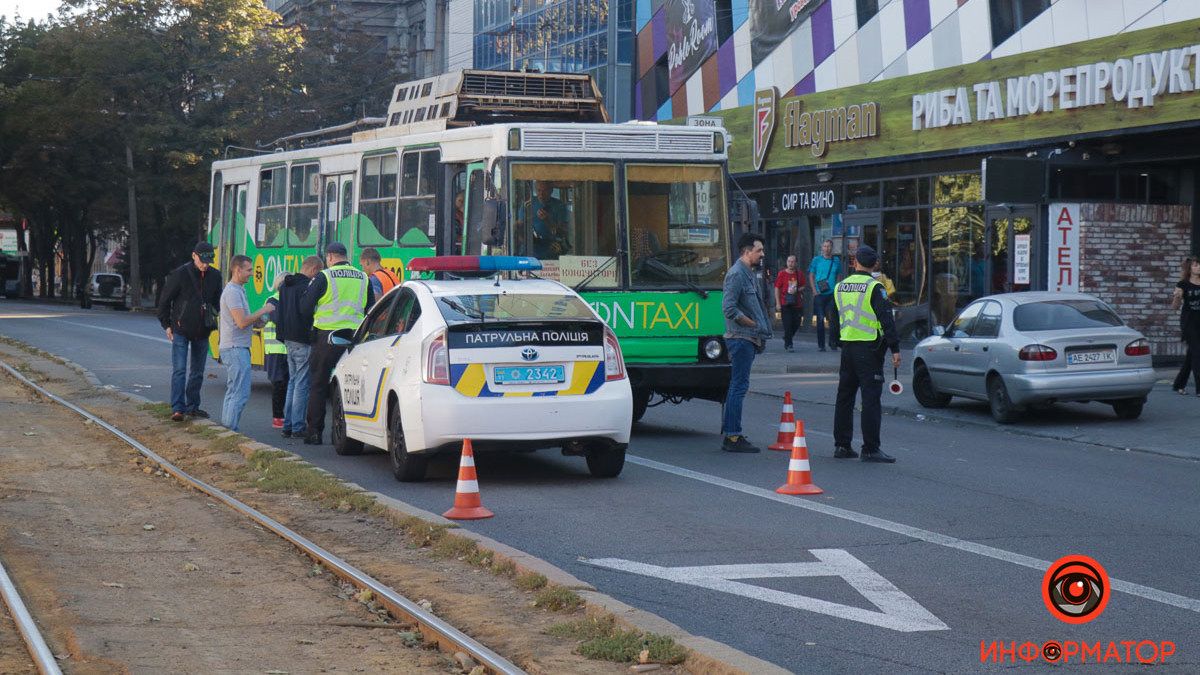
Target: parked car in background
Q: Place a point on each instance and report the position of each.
(1014, 350)
(104, 288)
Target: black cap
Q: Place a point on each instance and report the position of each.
(336, 247)
(204, 251)
(866, 256)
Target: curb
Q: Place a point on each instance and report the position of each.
(707, 656)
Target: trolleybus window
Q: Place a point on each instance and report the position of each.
(563, 214)
(377, 201)
(418, 192)
(302, 205)
(272, 206)
(214, 212)
(677, 225)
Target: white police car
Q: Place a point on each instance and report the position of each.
(508, 363)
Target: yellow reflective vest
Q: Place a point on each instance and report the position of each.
(342, 305)
(855, 316)
(271, 343)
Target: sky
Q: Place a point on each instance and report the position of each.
(29, 9)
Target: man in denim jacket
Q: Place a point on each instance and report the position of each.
(746, 333)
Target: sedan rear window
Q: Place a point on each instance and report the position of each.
(1064, 315)
(511, 307)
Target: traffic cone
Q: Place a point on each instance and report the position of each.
(787, 425)
(466, 495)
(799, 477)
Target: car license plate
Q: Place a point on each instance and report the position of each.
(1102, 356)
(530, 374)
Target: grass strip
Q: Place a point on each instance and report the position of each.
(600, 638)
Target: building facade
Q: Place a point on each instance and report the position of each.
(556, 36)
(980, 145)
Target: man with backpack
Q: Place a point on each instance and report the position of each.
(187, 311)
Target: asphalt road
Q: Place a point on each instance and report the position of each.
(902, 568)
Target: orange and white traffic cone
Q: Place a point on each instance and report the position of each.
(466, 495)
(799, 476)
(787, 425)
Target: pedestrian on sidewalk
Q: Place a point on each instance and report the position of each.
(187, 311)
(275, 361)
(747, 330)
(1187, 299)
(789, 297)
(337, 298)
(867, 329)
(236, 328)
(295, 328)
(822, 277)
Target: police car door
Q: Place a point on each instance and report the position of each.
(362, 371)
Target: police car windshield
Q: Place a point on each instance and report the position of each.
(457, 309)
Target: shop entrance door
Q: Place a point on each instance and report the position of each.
(1012, 234)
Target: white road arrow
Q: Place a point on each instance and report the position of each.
(897, 610)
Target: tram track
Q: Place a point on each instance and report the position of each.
(434, 629)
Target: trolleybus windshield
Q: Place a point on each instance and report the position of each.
(677, 225)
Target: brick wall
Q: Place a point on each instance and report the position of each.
(1130, 256)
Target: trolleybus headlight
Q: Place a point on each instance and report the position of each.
(713, 349)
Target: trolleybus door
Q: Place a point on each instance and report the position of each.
(337, 203)
(233, 224)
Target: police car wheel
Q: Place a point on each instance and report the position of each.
(406, 468)
(342, 444)
(641, 400)
(606, 462)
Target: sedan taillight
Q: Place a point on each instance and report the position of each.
(1037, 353)
(1139, 347)
(437, 361)
(614, 365)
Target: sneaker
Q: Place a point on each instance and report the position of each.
(199, 413)
(277, 422)
(178, 417)
(738, 444)
(1183, 392)
(844, 452)
(878, 456)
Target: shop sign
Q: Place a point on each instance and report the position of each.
(816, 130)
(9, 240)
(801, 201)
(764, 123)
(691, 37)
(1064, 248)
(1136, 82)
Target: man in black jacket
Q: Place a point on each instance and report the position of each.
(295, 329)
(187, 310)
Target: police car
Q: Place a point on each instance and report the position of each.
(509, 363)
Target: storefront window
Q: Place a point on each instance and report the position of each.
(677, 225)
(900, 192)
(958, 265)
(862, 195)
(957, 188)
(563, 214)
(902, 251)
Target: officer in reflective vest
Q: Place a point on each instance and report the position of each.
(867, 328)
(337, 298)
(275, 363)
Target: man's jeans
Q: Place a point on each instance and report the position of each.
(741, 356)
(237, 385)
(186, 398)
(297, 389)
(823, 304)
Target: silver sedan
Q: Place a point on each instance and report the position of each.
(1019, 349)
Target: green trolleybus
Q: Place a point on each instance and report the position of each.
(632, 215)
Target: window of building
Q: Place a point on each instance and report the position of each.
(272, 207)
(418, 197)
(302, 205)
(863, 195)
(377, 200)
(866, 10)
(1010, 16)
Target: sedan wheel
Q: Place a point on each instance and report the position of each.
(405, 467)
(924, 391)
(342, 444)
(1002, 407)
(1129, 408)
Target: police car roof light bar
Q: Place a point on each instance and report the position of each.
(475, 263)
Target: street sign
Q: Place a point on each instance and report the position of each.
(897, 611)
(698, 121)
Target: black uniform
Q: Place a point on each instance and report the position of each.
(862, 369)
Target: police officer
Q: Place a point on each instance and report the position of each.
(275, 363)
(337, 298)
(867, 327)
